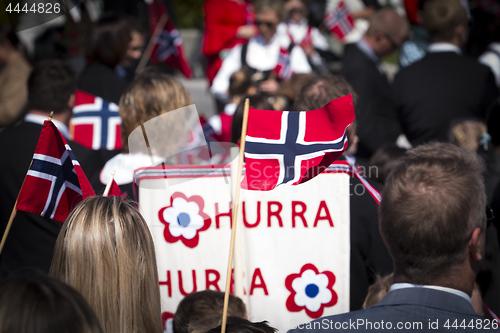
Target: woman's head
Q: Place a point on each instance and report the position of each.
(268, 14)
(106, 252)
(31, 302)
(151, 94)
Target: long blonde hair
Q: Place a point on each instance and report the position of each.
(106, 252)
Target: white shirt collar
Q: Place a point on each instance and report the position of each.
(397, 286)
(39, 119)
(444, 47)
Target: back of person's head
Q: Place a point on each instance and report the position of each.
(203, 304)
(468, 133)
(31, 302)
(50, 86)
(149, 95)
(263, 6)
(320, 90)
(385, 159)
(233, 325)
(106, 252)
(239, 84)
(378, 290)
(433, 201)
(442, 17)
(387, 23)
(259, 101)
(109, 39)
(292, 88)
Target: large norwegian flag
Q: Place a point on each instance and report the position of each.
(168, 45)
(339, 21)
(283, 69)
(286, 147)
(55, 182)
(96, 122)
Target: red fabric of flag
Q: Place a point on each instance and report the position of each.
(339, 21)
(114, 190)
(55, 182)
(168, 45)
(287, 147)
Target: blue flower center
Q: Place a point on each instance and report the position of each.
(183, 219)
(312, 290)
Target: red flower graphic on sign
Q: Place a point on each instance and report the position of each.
(184, 219)
(310, 290)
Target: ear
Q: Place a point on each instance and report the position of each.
(71, 101)
(476, 244)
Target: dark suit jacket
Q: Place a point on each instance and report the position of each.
(31, 239)
(369, 255)
(375, 113)
(101, 80)
(438, 89)
(407, 306)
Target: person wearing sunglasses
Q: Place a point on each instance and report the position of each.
(259, 57)
(362, 68)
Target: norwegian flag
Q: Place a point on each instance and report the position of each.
(283, 69)
(55, 182)
(96, 122)
(339, 21)
(286, 147)
(168, 45)
(114, 190)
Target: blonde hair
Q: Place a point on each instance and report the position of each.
(148, 96)
(467, 133)
(106, 252)
(378, 290)
(262, 6)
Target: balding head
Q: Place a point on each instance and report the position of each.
(387, 31)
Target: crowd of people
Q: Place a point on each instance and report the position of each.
(424, 76)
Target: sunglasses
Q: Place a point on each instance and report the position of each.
(490, 216)
(268, 24)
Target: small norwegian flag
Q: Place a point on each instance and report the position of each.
(286, 147)
(114, 190)
(339, 21)
(55, 182)
(168, 45)
(283, 69)
(96, 122)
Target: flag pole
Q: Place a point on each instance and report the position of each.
(149, 49)
(108, 186)
(14, 209)
(235, 215)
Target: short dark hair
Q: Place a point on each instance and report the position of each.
(240, 325)
(203, 304)
(431, 203)
(386, 158)
(50, 86)
(109, 39)
(322, 89)
(441, 17)
(31, 302)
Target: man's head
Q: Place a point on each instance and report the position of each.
(268, 14)
(432, 215)
(203, 304)
(322, 89)
(51, 87)
(446, 21)
(387, 31)
(136, 44)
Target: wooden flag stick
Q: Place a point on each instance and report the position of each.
(108, 186)
(149, 49)
(235, 214)
(7, 229)
(50, 116)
